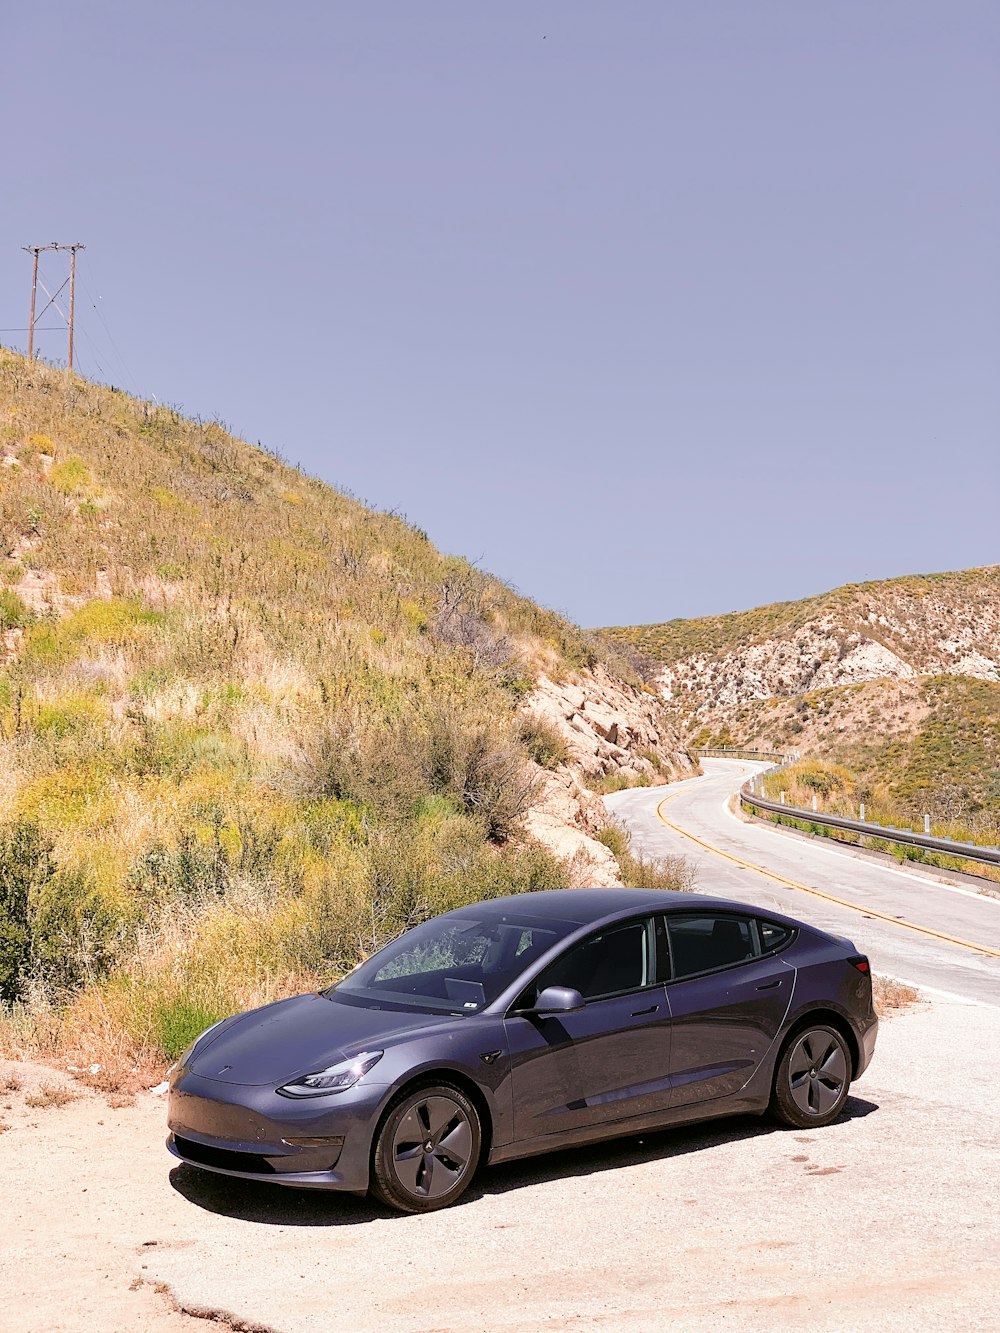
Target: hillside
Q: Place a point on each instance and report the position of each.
(249, 727)
(926, 624)
(895, 682)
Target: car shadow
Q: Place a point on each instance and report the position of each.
(278, 1205)
(655, 1145)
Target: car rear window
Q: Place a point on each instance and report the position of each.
(773, 935)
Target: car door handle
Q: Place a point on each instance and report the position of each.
(638, 1013)
(769, 985)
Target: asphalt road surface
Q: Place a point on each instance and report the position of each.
(921, 908)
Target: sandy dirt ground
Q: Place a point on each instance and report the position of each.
(887, 1218)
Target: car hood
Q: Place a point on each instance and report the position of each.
(293, 1037)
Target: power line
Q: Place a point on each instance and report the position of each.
(90, 344)
(114, 346)
(37, 280)
(52, 299)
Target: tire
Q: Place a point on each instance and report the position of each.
(813, 1078)
(427, 1149)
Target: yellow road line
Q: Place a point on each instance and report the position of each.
(816, 893)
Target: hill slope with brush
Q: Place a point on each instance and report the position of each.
(250, 727)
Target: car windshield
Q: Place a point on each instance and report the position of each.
(455, 964)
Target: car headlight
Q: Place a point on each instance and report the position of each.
(338, 1078)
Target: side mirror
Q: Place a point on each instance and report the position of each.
(557, 1000)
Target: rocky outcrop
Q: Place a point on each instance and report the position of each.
(607, 728)
(816, 657)
(566, 819)
(897, 631)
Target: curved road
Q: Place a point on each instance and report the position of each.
(892, 914)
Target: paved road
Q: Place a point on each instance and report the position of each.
(700, 807)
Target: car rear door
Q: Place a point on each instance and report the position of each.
(608, 1061)
(727, 997)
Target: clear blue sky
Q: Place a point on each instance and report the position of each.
(656, 309)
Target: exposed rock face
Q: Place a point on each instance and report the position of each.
(566, 819)
(816, 657)
(822, 720)
(894, 631)
(608, 727)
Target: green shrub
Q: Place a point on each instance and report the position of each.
(25, 865)
(72, 476)
(110, 622)
(77, 931)
(191, 871)
(543, 742)
(178, 1020)
(14, 612)
(657, 872)
(68, 715)
(490, 780)
(605, 783)
(616, 839)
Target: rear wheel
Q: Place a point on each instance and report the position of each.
(813, 1078)
(427, 1149)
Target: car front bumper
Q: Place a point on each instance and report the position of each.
(255, 1134)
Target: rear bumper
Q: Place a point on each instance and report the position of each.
(869, 1036)
(251, 1133)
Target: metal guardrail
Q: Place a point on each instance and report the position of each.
(963, 851)
(720, 752)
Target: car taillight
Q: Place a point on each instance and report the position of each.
(860, 962)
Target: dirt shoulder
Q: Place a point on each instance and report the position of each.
(890, 1213)
(81, 1184)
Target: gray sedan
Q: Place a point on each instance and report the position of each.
(523, 1024)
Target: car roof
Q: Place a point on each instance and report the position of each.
(587, 906)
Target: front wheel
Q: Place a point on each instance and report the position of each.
(813, 1078)
(427, 1150)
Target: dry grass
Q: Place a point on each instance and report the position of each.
(891, 995)
(944, 769)
(49, 1094)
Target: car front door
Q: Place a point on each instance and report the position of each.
(727, 1003)
(609, 1060)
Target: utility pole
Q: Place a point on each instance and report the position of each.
(35, 251)
(72, 300)
(31, 321)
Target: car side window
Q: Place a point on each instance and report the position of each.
(612, 963)
(705, 941)
(772, 935)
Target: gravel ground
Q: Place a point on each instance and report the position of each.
(887, 1217)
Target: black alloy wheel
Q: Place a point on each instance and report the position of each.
(427, 1149)
(813, 1078)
